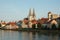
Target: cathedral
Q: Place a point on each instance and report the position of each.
(31, 17)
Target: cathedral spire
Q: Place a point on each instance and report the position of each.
(29, 12)
(31, 15)
(33, 12)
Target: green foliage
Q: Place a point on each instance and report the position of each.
(0, 25)
(34, 26)
(53, 26)
(39, 26)
(59, 25)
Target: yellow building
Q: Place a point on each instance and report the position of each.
(52, 15)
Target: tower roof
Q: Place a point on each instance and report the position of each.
(49, 12)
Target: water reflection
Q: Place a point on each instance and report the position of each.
(17, 35)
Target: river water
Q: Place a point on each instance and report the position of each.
(18, 35)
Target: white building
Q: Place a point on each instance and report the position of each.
(24, 25)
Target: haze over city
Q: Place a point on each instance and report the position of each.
(11, 10)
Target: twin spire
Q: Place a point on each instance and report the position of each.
(31, 12)
(31, 15)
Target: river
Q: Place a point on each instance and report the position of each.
(19, 35)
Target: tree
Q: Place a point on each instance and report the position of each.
(39, 26)
(59, 26)
(34, 26)
(0, 25)
(19, 24)
(53, 26)
(46, 28)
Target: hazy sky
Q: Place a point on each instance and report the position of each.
(18, 9)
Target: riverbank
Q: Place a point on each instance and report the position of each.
(48, 32)
(34, 30)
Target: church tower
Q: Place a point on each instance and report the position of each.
(31, 17)
(49, 15)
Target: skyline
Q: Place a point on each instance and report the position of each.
(11, 10)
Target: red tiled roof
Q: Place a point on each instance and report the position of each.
(11, 23)
(43, 20)
(3, 23)
(34, 21)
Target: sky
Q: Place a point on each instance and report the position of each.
(13, 10)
